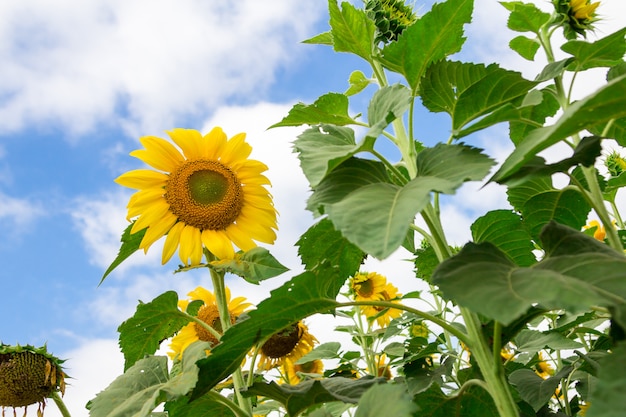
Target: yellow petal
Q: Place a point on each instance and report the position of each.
(151, 215)
(236, 149)
(240, 237)
(250, 171)
(218, 244)
(142, 178)
(201, 293)
(159, 153)
(157, 230)
(190, 245)
(214, 142)
(189, 140)
(171, 242)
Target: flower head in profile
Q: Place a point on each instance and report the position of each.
(391, 17)
(383, 369)
(372, 286)
(599, 233)
(209, 314)
(293, 373)
(28, 375)
(205, 193)
(615, 163)
(543, 367)
(577, 16)
(289, 344)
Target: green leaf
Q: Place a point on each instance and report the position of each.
(538, 113)
(321, 149)
(147, 384)
(322, 246)
(254, 266)
(535, 390)
(358, 82)
(506, 231)
(433, 37)
(553, 70)
(532, 341)
(521, 193)
(311, 292)
(607, 103)
(455, 163)
(473, 402)
(352, 31)
(388, 104)
(297, 398)
(527, 48)
(330, 108)
(577, 272)
(607, 398)
(425, 262)
(605, 52)
(202, 407)
(525, 17)
(325, 38)
(130, 245)
(328, 350)
(142, 334)
(386, 400)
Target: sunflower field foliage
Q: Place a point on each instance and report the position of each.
(527, 319)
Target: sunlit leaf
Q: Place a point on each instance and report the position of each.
(329, 108)
(297, 398)
(358, 81)
(386, 400)
(387, 104)
(537, 113)
(456, 163)
(434, 36)
(604, 52)
(328, 350)
(130, 245)
(525, 17)
(325, 38)
(532, 341)
(352, 31)
(254, 266)
(506, 231)
(527, 48)
(142, 334)
(553, 69)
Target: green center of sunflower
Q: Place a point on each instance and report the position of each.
(204, 194)
(282, 343)
(211, 316)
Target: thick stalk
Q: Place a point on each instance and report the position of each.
(222, 306)
(60, 404)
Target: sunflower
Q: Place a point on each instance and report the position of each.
(543, 367)
(382, 367)
(28, 375)
(291, 344)
(209, 314)
(209, 195)
(576, 16)
(292, 372)
(374, 287)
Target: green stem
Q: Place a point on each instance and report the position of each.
(238, 411)
(60, 404)
(222, 307)
(204, 325)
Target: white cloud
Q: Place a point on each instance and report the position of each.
(17, 214)
(142, 65)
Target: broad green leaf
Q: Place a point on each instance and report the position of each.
(535, 390)
(616, 130)
(436, 35)
(616, 71)
(538, 113)
(322, 246)
(607, 103)
(352, 31)
(325, 38)
(311, 292)
(567, 207)
(202, 407)
(607, 398)
(328, 350)
(425, 262)
(473, 402)
(532, 341)
(386, 400)
(553, 70)
(330, 108)
(130, 245)
(387, 104)
(254, 266)
(521, 193)
(506, 231)
(358, 81)
(347, 177)
(527, 48)
(297, 398)
(577, 273)
(525, 17)
(322, 148)
(456, 163)
(147, 384)
(604, 52)
(142, 334)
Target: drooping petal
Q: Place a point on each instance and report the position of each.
(157, 230)
(218, 244)
(241, 238)
(142, 178)
(190, 245)
(150, 216)
(171, 242)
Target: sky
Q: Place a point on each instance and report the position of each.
(80, 82)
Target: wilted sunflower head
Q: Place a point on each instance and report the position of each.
(576, 16)
(291, 343)
(28, 375)
(209, 314)
(205, 193)
(391, 17)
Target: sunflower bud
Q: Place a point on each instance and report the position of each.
(28, 375)
(615, 163)
(576, 16)
(391, 18)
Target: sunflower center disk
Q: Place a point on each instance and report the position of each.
(211, 316)
(281, 344)
(204, 194)
(365, 288)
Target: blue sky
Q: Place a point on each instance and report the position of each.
(80, 82)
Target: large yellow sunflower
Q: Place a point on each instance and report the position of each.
(290, 344)
(209, 195)
(209, 314)
(372, 286)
